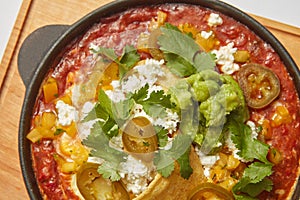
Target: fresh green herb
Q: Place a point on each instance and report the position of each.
(125, 62)
(155, 105)
(180, 150)
(146, 144)
(250, 148)
(259, 129)
(59, 131)
(128, 59)
(98, 141)
(183, 54)
(162, 135)
(254, 179)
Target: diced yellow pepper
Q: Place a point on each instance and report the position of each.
(189, 29)
(34, 135)
(48, 120)
(142, 42)
(219, 174)
(110, 73)
(50, 90)
(207, 44)
(228, 183)
(161, 18)
(71, 130)
(46, 133)
(65, 98)
(266, 130)
(232, 163)
(73, 148)
(241, 56)
(281, 116)
(68, 167)
(37, 120)
(274, 156)
(70, 78)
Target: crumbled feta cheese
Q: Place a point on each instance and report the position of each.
(231, 146)
(136, 175)
(252, 125)
(94, 47)
(170, 122)
(132, 84)
(206, 34)
(66, 113)
(225, 58)
(116, 142)
(214, 19)
(147, 73)
(206, 160)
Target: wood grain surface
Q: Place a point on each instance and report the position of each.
(37, 13)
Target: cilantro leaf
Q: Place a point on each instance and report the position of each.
(108, 53)
(160, 98)
(154, 104)
(99, 144)
(254, 180)
(255, 189)
(185, 170)
(181, 44)
(179, 65)
(121, 111)
(108, 171)
(249, 148)
(164, 159)
(127, 59)
(141, 94)
(162, 135)
(183, 53)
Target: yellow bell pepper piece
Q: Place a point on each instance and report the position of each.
(50, 90)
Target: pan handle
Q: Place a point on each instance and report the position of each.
(35, 47)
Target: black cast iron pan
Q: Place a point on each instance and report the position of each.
(42, 49)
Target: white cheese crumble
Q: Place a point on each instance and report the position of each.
(169, 122)
(147, 73)
(252, 125)
(136, 175)
(205, 34)
(66, 113)
(225, 58)
(214, 19)
(84, 128)
(206, 160)
(116, 142)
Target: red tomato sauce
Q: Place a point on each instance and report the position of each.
(123, 29)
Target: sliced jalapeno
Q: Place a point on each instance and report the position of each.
(205, 189)
(93, 186)
(259, 83)
(139, 137)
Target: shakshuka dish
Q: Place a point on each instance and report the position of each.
(170, 101)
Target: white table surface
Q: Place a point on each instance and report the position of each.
(286, 11)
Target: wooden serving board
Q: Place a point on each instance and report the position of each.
(37, 13)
